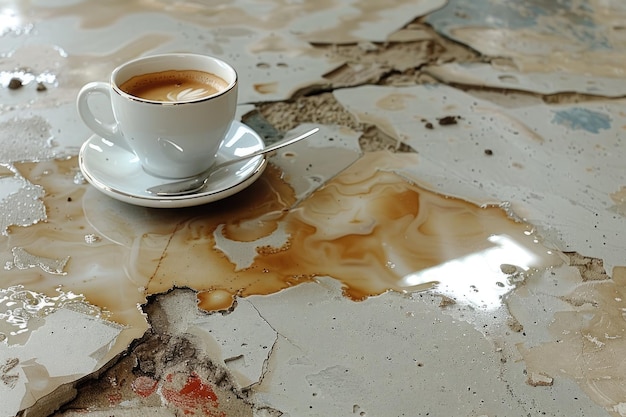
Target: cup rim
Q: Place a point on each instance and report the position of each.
(115, 87)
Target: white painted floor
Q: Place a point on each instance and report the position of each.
(466, 260)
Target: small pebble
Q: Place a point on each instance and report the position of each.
(15, 83)
(508, 269)
(41, 86)
(448, 120)
(537, 379)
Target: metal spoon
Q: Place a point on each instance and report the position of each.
(195, 184)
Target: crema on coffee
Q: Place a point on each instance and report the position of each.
(174, 85)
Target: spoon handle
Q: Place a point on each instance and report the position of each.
(271, 148)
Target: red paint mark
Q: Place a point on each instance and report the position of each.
(144, 386)
(196, 388)
(195, 396)
(115, 398)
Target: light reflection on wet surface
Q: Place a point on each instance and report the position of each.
(22, 311)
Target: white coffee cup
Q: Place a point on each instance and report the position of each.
(174, 135)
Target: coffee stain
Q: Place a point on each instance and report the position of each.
(619, 198)
(266, 88)
(585, 339)
(97, 272)
(5, 170)
(373, 229)
(215, 300)
(395, 101)
(370, 228)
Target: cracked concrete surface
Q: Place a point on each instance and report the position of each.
(449, 244)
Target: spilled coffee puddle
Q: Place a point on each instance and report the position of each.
(369, 228)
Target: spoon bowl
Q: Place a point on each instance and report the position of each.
(197, 183)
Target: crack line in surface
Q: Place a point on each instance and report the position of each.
(266, 361)
(163, 253)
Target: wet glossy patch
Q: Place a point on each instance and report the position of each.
(581, 336)
(370, 228)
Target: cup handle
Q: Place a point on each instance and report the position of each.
(109, 131)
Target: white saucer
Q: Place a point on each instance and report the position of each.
(118, 173)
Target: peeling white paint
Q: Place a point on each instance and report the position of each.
(38, 360)
(244, 339)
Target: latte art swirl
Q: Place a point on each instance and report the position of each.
(174, 86)
(188, 94)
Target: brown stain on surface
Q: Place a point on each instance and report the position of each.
(619, 198)
(369, 228)
(99, 271)
(586, 338)
(266, 88)
(396, 101)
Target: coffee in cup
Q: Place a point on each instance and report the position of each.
(174, 85)
(171, 110)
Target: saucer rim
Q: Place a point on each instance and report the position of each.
(174, 201)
